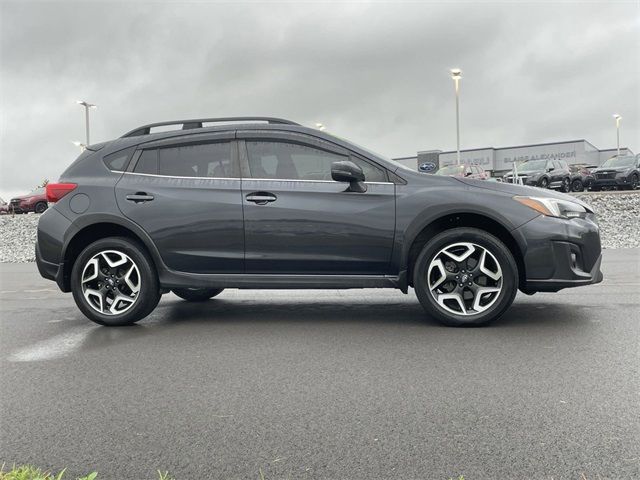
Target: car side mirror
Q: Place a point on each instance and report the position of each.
(347, 171)
(468, 174)
(550, 169)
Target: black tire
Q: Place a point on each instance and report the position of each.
(565, 186)
(635, 181)
(197, 294)
(577, 185)
(495, 247)
(544, 183)
(147, 297)
(40, 207)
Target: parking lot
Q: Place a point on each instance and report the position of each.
(325, 384)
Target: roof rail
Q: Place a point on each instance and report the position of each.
(197, 123)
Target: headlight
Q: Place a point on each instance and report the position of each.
(554, 207)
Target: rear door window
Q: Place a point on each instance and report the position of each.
(211, 160)
(148, 162)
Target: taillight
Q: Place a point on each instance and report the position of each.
(55, 191)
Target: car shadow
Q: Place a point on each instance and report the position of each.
(172, 316)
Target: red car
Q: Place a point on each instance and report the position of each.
(466, 170)
(35, 201)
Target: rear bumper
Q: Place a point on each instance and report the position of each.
(49, 270)
(561, 253)
(53, 227)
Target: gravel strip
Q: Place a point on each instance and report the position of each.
(618, 215)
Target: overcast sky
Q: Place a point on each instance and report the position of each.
(376, 73)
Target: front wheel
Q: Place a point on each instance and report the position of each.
(197, 294)
(565, 187)
(544, 183)
(465, 277)
(635, 181)
(577, 186)
(114, 282)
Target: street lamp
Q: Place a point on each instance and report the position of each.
(618, 118)
(86, 106)
(456, 75)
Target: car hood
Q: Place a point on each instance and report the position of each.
(611, 169)
(513, 190)
(23, 197)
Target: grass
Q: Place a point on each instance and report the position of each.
(28, 472)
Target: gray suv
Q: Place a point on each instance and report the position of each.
(265, 203)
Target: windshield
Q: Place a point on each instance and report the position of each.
(450, 170)
(533, 165)
(619, 162)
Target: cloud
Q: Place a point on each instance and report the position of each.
(373, 72)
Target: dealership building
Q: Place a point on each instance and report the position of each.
(500, 160)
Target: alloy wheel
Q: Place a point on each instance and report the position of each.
(111, 282)
(465, 278)
(577, 186)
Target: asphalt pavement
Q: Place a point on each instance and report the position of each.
(355, 384)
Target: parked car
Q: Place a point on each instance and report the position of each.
(622, 173)
(553, 174)
(269, 203)
(4, 207)
(34, 201)
(581, 176)
(465, 170)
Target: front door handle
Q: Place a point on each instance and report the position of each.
(139, 197)
(261, 198)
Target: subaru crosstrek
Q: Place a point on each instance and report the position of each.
(264, 203)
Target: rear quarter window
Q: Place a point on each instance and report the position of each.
(118, 161)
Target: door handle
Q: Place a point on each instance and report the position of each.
(261, 198)
(139, 197)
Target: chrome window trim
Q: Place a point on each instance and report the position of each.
(249, 179)
(174, 176)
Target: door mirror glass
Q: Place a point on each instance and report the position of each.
(347, 171)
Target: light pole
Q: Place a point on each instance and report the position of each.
(80, 145)
(86, 106)
(456, 75)
(618, 118)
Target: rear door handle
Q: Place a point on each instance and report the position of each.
(139, 197)
(261, 198)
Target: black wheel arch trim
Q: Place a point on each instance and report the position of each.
(425, 219)
(82, 223)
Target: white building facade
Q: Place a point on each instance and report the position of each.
(500, 160)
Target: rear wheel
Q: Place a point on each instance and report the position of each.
(114, 282)
(40, 207)
(197, 294)
(577, 185)
(465, 277)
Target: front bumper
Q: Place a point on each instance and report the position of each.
(561, 253)
(611, 182)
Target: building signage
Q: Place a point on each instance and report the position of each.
(541, 156)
